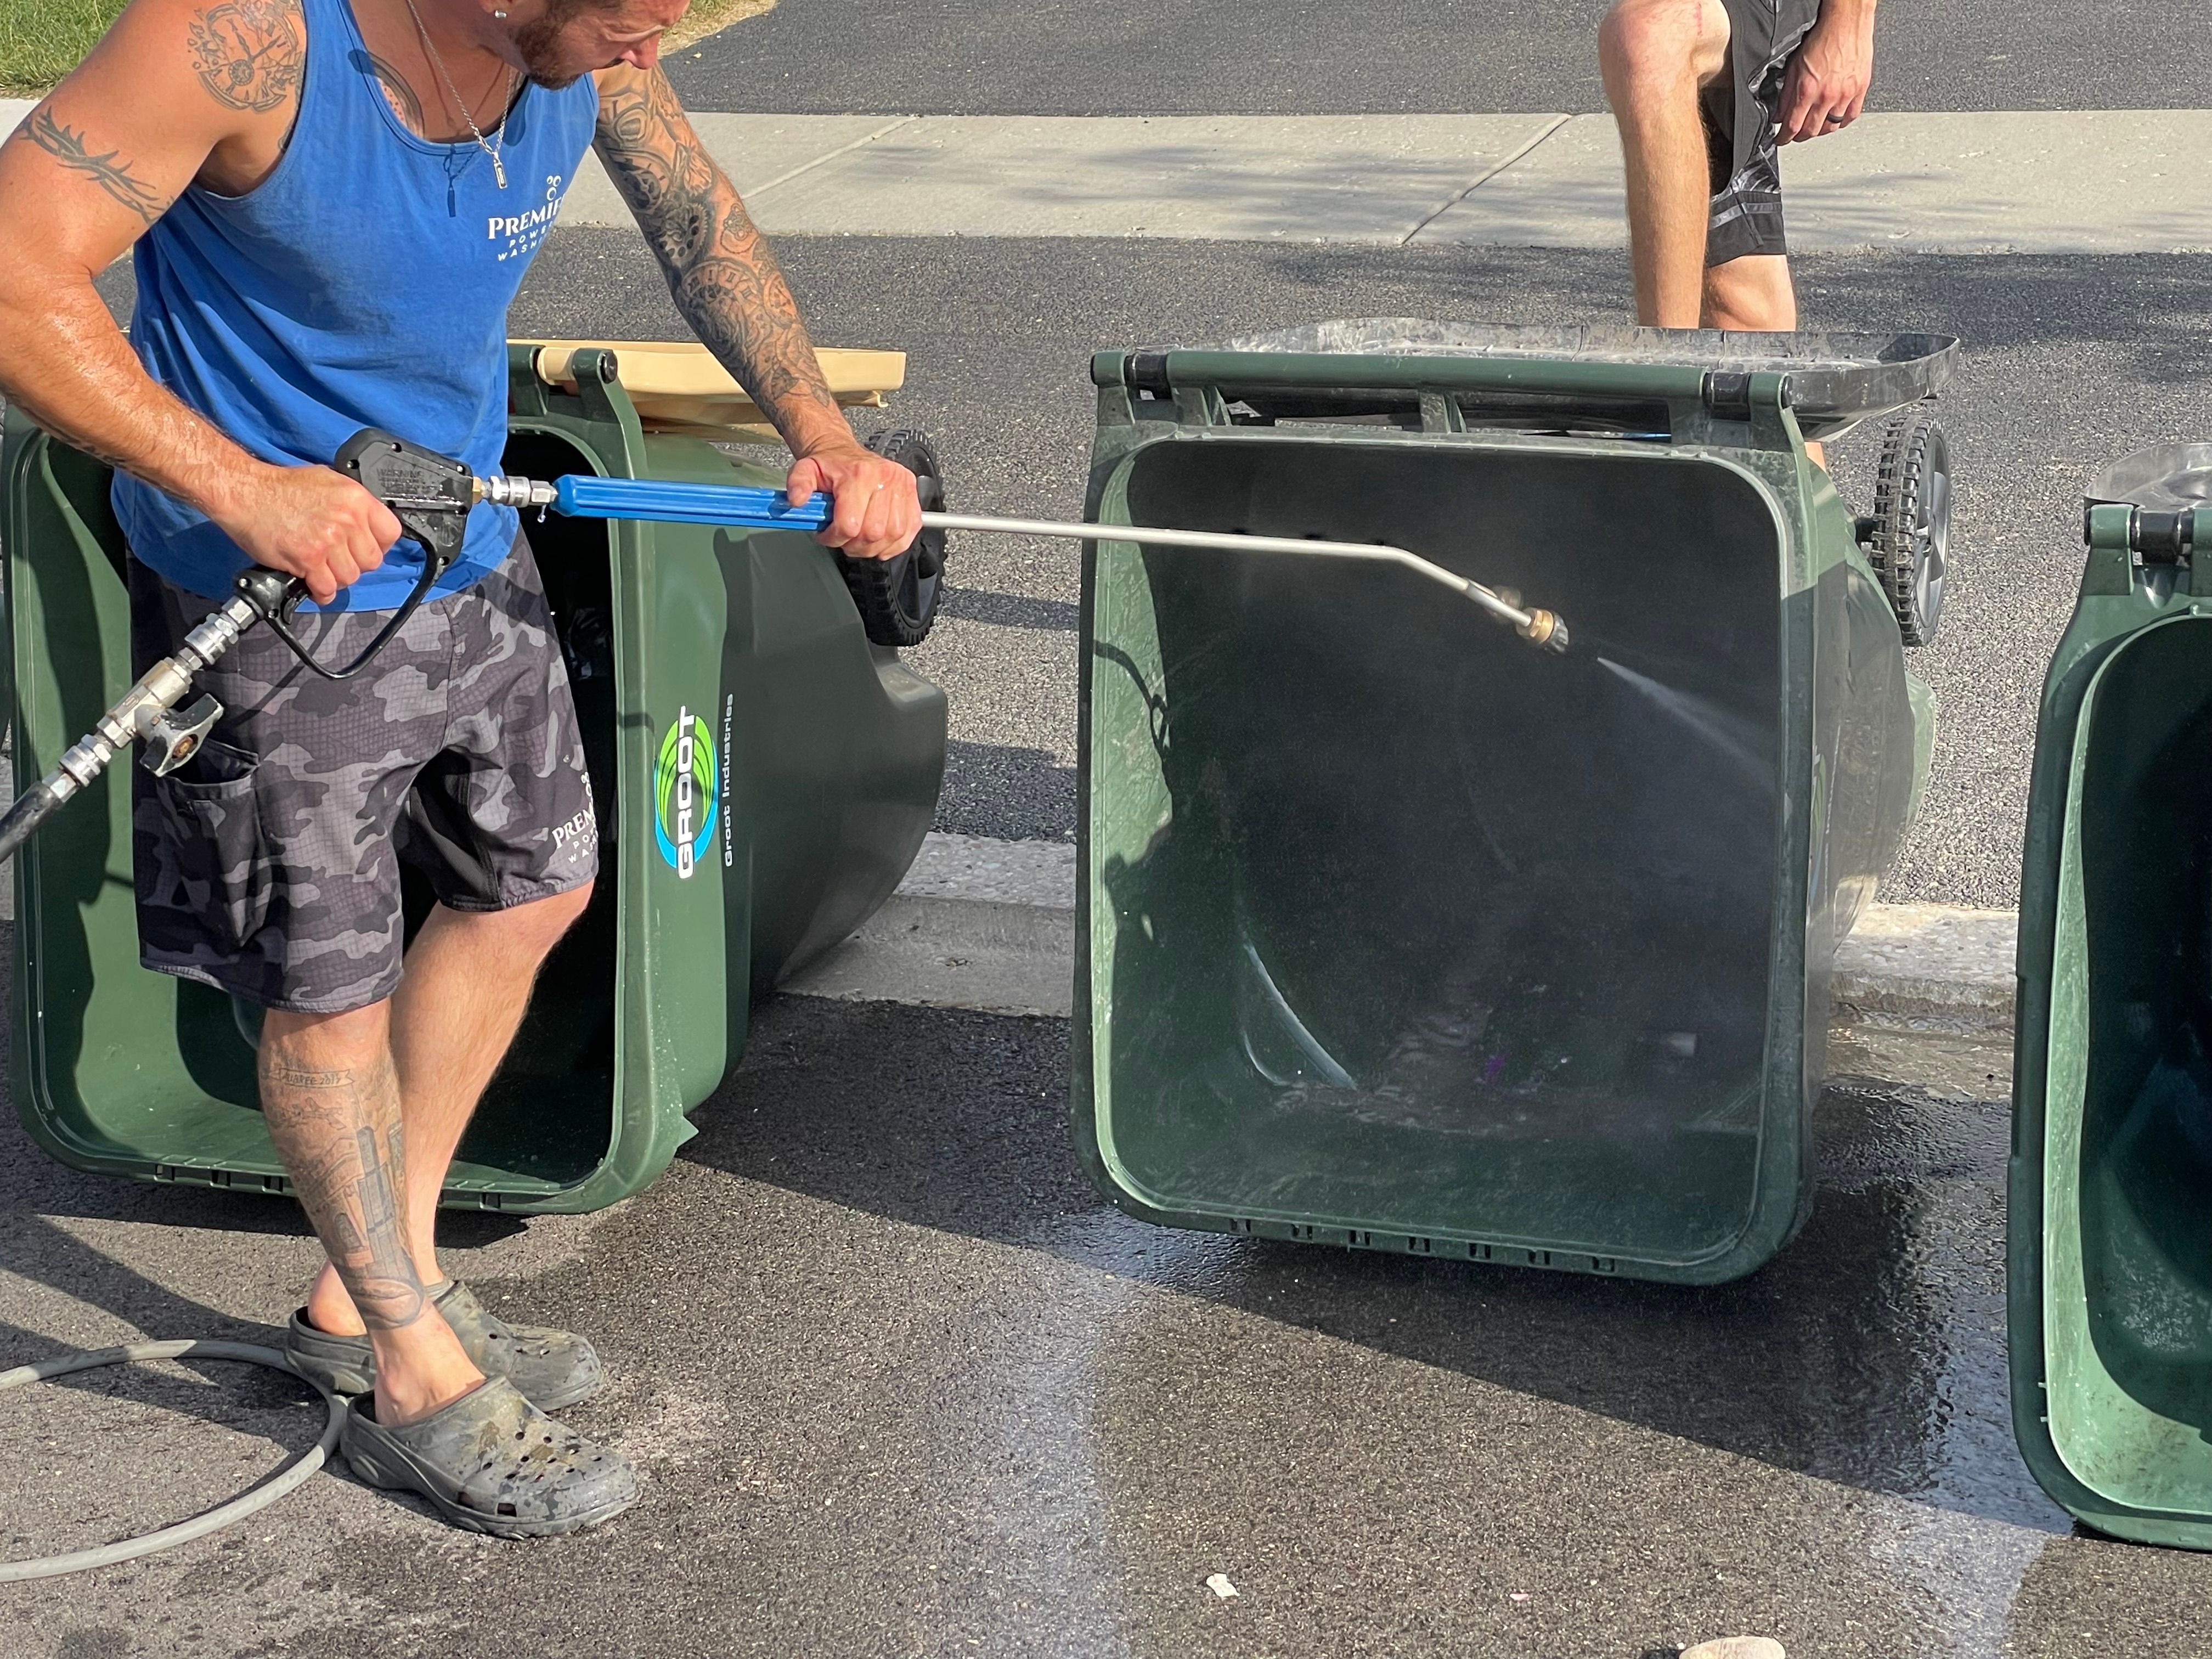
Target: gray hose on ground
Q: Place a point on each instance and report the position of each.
(260, 1497)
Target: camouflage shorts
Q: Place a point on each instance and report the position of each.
(269, 865)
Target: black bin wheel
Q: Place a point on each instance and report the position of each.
(1911, 546)
(897, 597)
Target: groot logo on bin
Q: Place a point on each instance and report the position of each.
(686, 793)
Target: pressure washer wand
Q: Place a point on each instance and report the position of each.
(742, 506)
(431, 495)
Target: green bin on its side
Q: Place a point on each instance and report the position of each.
(815, 761)
(1397, 933)
(2111, 1208)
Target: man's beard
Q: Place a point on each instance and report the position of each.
(540, 44)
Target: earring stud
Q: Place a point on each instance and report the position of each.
(500, 15)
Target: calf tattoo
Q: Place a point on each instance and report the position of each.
(248, 52)
(339, 1135)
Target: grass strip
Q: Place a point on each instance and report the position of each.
(42, 40)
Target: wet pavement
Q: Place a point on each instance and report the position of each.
(901, 1383)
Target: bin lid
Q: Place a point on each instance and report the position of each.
(2172, 478)
(1836, 381)
(678, 385)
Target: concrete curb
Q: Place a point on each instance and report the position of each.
(990, 926)
(1923, 964)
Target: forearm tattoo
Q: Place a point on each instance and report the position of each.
(725, 281)
(249, 53)
(339, 1134)
(109, 171)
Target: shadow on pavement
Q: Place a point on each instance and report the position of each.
(994, 789)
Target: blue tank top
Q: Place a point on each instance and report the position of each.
(365, 281)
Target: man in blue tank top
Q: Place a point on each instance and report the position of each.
(330, 204)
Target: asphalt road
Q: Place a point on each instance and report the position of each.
(902, 1383)
(2069, 363)
(1326, 57)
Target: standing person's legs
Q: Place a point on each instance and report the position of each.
(1696, 85)
(1658, 57)
(269, 868)
(500, 820)
(265, 868)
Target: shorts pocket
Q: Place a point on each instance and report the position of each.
(212, 864)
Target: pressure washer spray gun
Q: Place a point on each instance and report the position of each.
(431, 497)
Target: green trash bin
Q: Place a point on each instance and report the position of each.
(764, 773)
(2111, 1234)
(1398, 934)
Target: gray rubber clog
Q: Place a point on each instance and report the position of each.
(552, 1368)
(494, 1463)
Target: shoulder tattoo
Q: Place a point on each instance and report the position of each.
(250, 54)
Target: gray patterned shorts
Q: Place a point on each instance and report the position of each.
(269, 865)
(1742, 113)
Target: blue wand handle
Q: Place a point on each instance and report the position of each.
(738, 505)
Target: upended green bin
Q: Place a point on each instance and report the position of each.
(814, 758)
(1399, 934)
(2111, 1210)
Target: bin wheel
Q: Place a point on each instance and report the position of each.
(1911, 547)
(897, 597)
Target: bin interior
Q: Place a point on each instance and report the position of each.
(2128, 1224)
(1399, 925)
(110, 1083)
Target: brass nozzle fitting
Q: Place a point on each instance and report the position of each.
(1544, 630)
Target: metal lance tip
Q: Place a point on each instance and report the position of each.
(1545, 630)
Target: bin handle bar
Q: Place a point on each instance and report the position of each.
(1163, 372)
(742, 506)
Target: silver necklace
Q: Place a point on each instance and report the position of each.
(499, 142)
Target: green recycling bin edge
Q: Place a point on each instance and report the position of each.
(2110, 1262)
(1213, 661)
(762, 776)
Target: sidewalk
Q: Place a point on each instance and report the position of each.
(2094, 182)
(2082, 182)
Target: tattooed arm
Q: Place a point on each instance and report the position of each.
(730, 289)
(180, 90)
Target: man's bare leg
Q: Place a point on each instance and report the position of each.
(1755, 292)
(467, 982)
(331, 1099)
(1655, 55)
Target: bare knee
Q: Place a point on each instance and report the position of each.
(336, 1041)
(533, 929)
(1648, 48)
(1752, 294)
